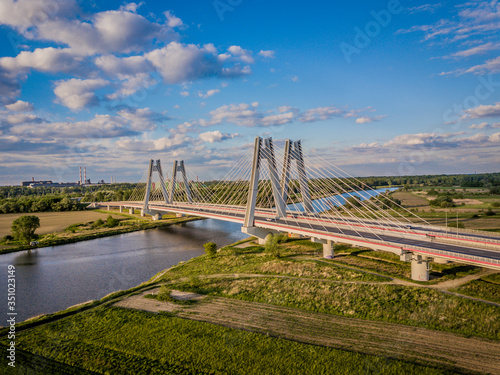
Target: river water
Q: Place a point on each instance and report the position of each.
(53, 278)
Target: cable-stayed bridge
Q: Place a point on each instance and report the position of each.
(273, 190)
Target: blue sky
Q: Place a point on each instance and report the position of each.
(378, 88)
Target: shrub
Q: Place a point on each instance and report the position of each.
(490, 212)
(210, 249)
(271, 245)
(98, 223)
(111, 222)
(495, 204)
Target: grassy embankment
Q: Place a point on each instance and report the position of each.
(58, 228)
(102, 338)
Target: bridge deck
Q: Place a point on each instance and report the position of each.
(386, 236)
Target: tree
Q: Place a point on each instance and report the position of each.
(210, 249)
(23, 228)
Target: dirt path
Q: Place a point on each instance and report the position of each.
(391, 340)
(448, 284)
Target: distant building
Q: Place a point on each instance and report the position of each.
(38, 183)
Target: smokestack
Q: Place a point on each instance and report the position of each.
(85, 175)
(80, 182)
(33, 179)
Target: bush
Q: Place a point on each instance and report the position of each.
(490, 212)
(210, 249)
(495, 204)
(271, 245)
(98, 223)
(111, 222)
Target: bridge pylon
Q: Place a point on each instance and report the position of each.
(179, 167)
(154, 167)
(264, 150)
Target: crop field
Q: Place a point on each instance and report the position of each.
(51, 222)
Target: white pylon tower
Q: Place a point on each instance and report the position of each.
(154, 167)
(263, 149)
(179, 167)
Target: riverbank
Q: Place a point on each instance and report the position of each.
(248, 311)
(70, 229)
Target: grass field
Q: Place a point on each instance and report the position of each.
(121, 341)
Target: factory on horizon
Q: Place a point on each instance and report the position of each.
(83, 181)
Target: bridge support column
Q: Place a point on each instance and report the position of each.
(328, 252)
(131, 211)
(143, 213)
(419, 268)
(157, 216)
(260, 233)
(121, 208)
(108, 207)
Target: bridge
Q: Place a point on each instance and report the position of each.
(322, 202)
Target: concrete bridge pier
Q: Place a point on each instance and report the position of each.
(260, 233)
(108, 207)
(328, 252)
(179, 215)
(121, 208)
(131, 211)
(157, 216)
(143, 214)
(419, 267)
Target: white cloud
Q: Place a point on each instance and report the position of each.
(489, 66)
(476, 50)
(268, 54)
(23, 14)
(483, 111)
(425, 8)
(160, 144)
(142, 119)
(173, 21)
(77, 93)
(179, 63)
(20, 106)
(279, 119)
(45, 60)
(294, 79)
(368, 119)
(184, 93)
(216, 136)
(131, 7)
(321, 113)
(241, 54)
(208, 94)
(431, 141)
(22, 118)
(238, 114)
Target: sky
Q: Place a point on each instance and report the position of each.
(396, 87)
